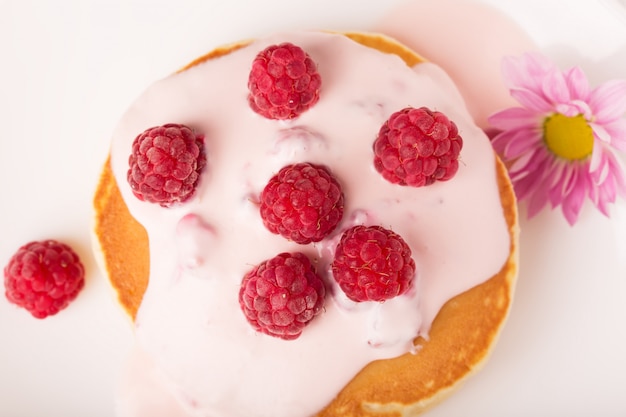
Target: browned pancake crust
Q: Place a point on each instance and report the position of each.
(123, 243)
(461, 336)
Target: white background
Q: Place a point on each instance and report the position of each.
(68, 70)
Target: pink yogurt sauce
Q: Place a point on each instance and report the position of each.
(468, 40)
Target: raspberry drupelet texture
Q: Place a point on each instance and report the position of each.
(372, 264)
(43, 277)
(165, 164)
(417, 147)
(303, 203)
(280, 296)
(283, 82)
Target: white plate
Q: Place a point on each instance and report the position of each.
(70, 68)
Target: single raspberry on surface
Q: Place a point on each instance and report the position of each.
(417, 147)
(302, 203)
(283, 82)
(372, 264)
(280, 296)
(43, 277)
(165, 164)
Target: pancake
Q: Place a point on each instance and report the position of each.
(459, 341)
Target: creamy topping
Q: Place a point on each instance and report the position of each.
(487, 35)
(190, 322)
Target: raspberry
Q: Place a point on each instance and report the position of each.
(372, 264)
(283, 82)
(302, 203)
(280, 296)
(43, 277)
(417, 147)
(165, 164)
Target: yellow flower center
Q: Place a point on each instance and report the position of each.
(570, 138)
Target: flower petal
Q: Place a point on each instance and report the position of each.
(559, 180)
(524, 187)
(525, 71)
(608, 101)
(617, 133)
(531, 100)
(599, 167)
(526, 181)
(574, 108)
(600, 133)
(596, 156)
(515, 117)
(501, 140)
(607, 193)
(577, 83)
(569, 181)
(554, 87)
(530, 162)
(538, 199)
(521, 142)
(617, 172)
(519, 167)
(609, 184)
(606, 196)
(573, 202)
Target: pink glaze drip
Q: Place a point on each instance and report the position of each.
(468, 40)
(190, 330)
(194, 240)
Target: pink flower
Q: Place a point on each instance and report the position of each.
(560, 146)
